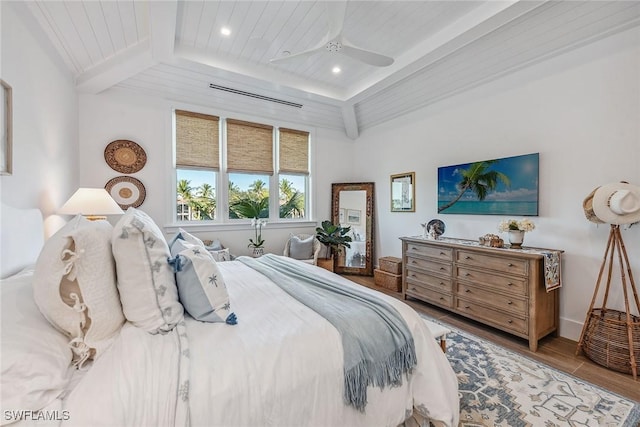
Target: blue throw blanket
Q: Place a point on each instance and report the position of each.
(378, 346)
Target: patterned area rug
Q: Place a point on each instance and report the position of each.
(500, 388)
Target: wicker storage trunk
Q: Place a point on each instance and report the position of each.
(390, 264)
(387, 280)
(606, 340)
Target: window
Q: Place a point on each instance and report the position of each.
(294, 171)
(256, 185)
(197, 163)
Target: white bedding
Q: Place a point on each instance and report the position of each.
(281, 365)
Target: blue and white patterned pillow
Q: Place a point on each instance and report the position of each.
(146, 282)
(201, 287)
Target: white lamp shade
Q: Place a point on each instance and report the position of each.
(90, 202)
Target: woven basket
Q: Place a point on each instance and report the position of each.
(606, 339)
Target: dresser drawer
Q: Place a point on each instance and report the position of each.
(517, 305)
(497, 318)
(503, 264)
(512, 285)
(429, 280)
(429, 295)
(444, 254)
(432, 266)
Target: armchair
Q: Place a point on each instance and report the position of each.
(303, 247)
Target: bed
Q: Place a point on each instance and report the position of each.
(281, 364)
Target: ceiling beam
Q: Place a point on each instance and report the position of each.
(157, 48)
(485, 19)
(119, 67)
(350, 120)
(162, 27)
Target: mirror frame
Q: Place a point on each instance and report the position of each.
(368, 217)
(402, 177)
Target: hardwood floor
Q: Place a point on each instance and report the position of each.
(557, 352)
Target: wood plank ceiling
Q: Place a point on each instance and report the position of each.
(175, 50)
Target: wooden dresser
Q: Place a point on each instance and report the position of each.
(499, 287)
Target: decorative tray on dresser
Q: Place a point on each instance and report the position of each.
(501, 287)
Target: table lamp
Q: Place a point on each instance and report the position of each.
(93, 203)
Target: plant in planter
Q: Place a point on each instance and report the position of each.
(333, 236)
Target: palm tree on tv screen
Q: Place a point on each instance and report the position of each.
(479, 179)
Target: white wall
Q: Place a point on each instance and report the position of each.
(580, 111)
(45, 119)
(147, 121)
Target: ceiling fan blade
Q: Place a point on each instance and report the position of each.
(298, 55)
(336, 11)
(366, 56)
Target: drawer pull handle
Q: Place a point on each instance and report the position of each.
(510, 265)
(467, 274)
(467, 257)
(509, 284)
(442, 298)
(466, 306)
(442, 268)
(509, 321)
(442, 283)
(510, 302)
(442, 253)
(467, 290)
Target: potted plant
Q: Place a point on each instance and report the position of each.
(333, 236)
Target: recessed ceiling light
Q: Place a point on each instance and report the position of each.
(336, 70)
(225, 31)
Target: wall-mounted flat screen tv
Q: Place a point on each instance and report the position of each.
(506, 186)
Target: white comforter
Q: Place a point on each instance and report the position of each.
(281, 365)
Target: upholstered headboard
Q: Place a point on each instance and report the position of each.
(21, 238)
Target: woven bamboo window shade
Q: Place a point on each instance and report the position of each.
(197, 140)
(249, 147)
(294, 151)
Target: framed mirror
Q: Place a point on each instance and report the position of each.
(352, 206)
(403, 192)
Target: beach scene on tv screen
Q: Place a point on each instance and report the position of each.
(505, 186)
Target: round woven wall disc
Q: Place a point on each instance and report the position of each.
(126, 191)
(125, 156)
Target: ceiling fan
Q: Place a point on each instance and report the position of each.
(334, 41)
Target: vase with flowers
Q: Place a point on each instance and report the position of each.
(258, 243)
(516, 230)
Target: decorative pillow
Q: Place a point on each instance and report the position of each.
(75, 286)
(215, 245)
(220, 255)
(184, 235)
(146, 281)
(200, 284)
(301, 249)
(36, 358)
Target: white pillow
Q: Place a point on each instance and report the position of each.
(220, 255)
(145, 279)
(215, 249)
(184, 235)
(36, 358)
(75, 286)
(202, 290)
(301, 248)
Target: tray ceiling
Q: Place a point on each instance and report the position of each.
(175, 50)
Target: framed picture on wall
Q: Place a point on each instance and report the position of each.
(403, 192)
(6, 128)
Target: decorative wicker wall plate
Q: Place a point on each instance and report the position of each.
(126, 191)
(125, 156)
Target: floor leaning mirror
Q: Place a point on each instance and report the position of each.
(352, 206)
